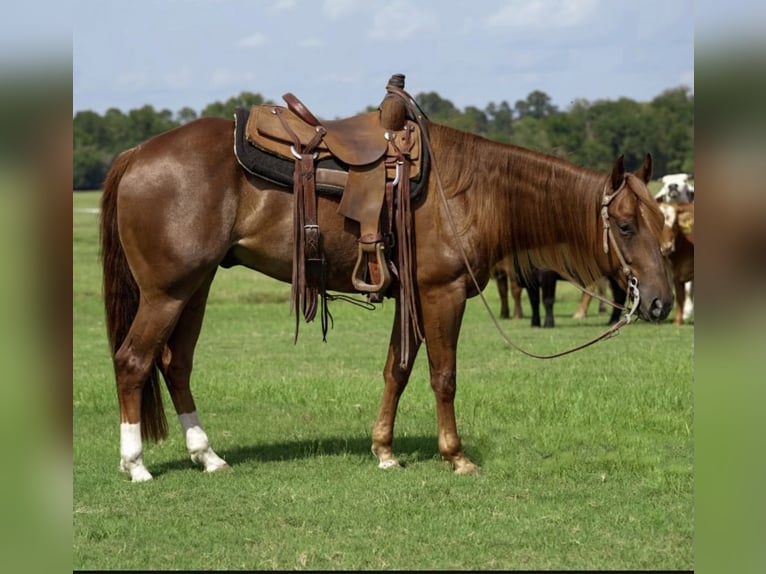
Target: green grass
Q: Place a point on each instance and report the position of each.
(586, 459)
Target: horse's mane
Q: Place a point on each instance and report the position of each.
(541, 209)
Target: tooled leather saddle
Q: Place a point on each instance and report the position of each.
(375, 161)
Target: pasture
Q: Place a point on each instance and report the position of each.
(586, 459)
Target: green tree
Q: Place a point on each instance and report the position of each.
(437, 108)
(89, 168)
(537, 105)
(226, 109)
(529, 132)
(674, 112)
(186, 115)
(471, 120)
(500, 118)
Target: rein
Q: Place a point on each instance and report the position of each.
(608, 238)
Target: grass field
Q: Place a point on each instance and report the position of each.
(586, 459)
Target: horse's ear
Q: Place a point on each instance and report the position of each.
(618, 173)
(644, 173)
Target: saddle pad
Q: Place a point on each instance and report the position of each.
(279, 170)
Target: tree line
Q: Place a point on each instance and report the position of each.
(590, 134)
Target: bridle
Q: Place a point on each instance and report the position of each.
(627, 270)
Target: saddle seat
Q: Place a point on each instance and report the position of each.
(355, 141)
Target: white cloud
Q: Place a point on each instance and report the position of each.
(335, 9)
(400, 20)
(312, 42)
(542, 14)
(131, 81)
(178, 79)
(253, 41)
(283, 5)
(226, 78)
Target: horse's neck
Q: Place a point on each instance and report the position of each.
(520, 200)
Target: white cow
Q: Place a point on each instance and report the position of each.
(676, 189)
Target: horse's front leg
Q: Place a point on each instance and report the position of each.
(395, 378)
(443, 310)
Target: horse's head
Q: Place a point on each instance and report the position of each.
(632, 224)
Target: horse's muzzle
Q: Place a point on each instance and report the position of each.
(657, 311)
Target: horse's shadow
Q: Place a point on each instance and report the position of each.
(409, 449)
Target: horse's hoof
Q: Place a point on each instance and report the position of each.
(137, 472)
(390, 463)
(467, 469)
(223, 468)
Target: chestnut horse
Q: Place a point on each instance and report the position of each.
(178, 206)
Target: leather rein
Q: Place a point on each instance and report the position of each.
(633, 296)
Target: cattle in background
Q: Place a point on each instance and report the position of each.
(675, 189)
(678, 247)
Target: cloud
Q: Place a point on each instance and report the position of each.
(541, 14)
(400, 20)
(283, 5)
(226, 78)
(178, 79)
(131, 81)
(253, 41)
(312, 42)
(336, 9)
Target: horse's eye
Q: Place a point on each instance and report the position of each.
(626, 228)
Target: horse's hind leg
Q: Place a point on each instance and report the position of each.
(134, 365)
(176, 366)
(395, 378)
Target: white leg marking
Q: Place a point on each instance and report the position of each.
(197, 443)
(689, 301)
(131, 452)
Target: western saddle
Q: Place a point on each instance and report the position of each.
(380, 152)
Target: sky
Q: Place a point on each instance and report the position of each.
(337, 55)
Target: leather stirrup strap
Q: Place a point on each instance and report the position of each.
(404, 222)
(306, 237)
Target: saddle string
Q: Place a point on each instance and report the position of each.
(632, 282)
(307, 280)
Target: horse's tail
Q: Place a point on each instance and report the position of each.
(121, 297)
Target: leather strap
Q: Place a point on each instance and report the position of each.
(307, 279)
(296, 106)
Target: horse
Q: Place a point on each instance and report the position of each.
(619, 297)
(678, 246)
(178, 206)
(505, 278)
(508, 277)
(544, 281)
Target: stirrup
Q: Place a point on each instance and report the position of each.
(357, 277)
